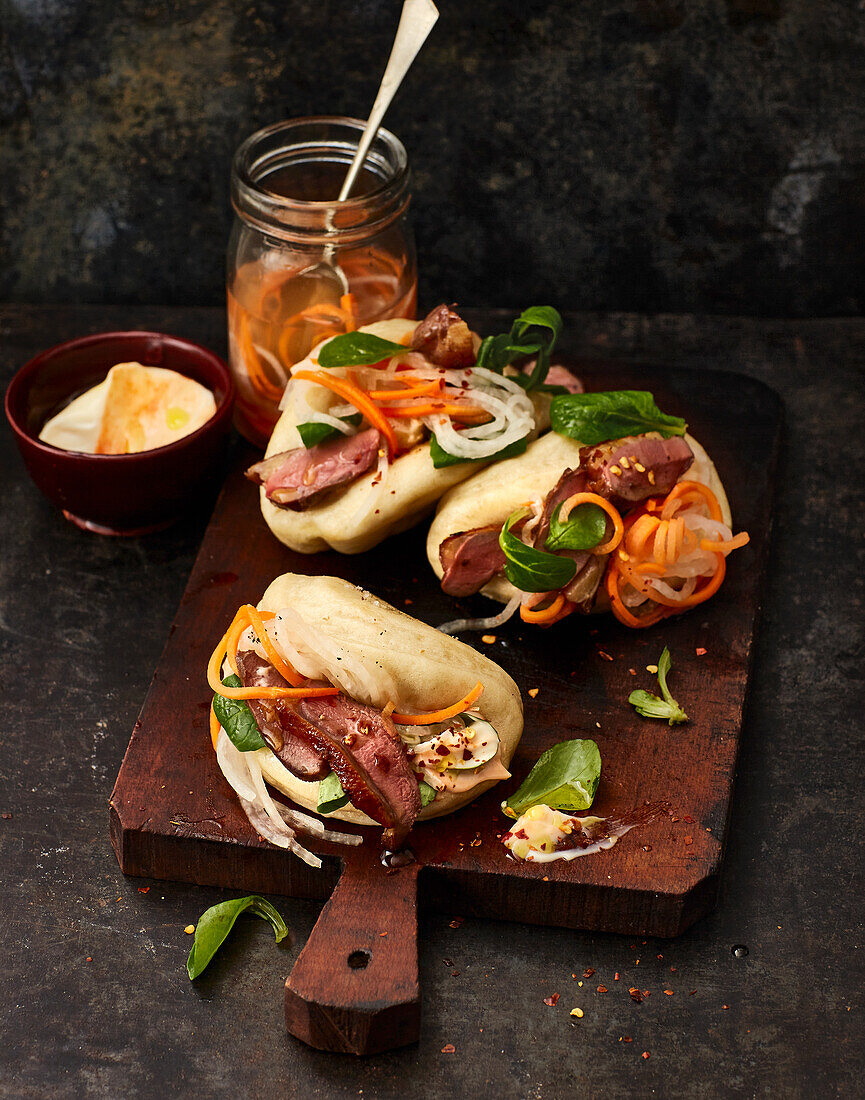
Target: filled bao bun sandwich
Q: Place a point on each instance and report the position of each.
(617, 508)
(353, 710)
(377, 424)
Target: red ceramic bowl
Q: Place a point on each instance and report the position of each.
(119, 494)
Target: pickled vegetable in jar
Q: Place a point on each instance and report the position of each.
(303, 266)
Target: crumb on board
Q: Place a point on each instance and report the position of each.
(488, 639)
(534, 692)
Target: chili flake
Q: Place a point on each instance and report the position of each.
(449, 1048)
(700, 651)
(603, 653)
(602, 989)
(636, 995)
(588, 972)
(143, 889)
(534, 692)
(552, 1000)
(646, 1055)
(669, 992)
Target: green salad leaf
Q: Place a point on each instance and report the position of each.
(440, 457)
(215, 923)
(651, 706)
(332, 797)
(237, 719)
(358, 349)
(427, 793)
(529, 569)
(565, 778)
(313, 432)
(586, 526)
(534, 332)
(595, 418)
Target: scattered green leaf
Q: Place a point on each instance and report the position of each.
(314, 432)
(585, 528)
(529, 569)
(237, 719)
(595, 418)
(358, 349)
(565, 778)
(441, 458)
(534, 332)
(651, 706)
(427, 793)
(215, 924)
(331, 796)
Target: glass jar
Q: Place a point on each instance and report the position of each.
(303, 266)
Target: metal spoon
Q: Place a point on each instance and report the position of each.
(417, 20)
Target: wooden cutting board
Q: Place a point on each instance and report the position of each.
(354, 986)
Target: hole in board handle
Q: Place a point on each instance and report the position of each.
(357, 960)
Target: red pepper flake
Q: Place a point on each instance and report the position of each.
(143, 889)
(646, 1055)
(632, 671)
(552, 1000)
(456, 922)
(688, 819)
(588, 972)
(455, 973)
(616, 976)
(660, 956)
(449, 1048)
(627, 1039)
(382, 933)
(669, 992)
(408, 601)
(603, 653)
(674, 820)
(689, 840)
(636, 995)
(448, 963)
(672, 970)
(476, 843)
(534, 692)
(7, 817)
(89, 959)
(700, 651)
(691, 994)
(725, 1006)
(602, 989)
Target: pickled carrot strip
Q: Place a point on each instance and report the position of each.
(640, 533)
(701, 594)
(357, 397)
(440, 715)
(546, 614)
(742, 539)
(415, 387)
(257, 377)
(286, 671)
(621, 612)
(214, 727)
(684, 489)
(459, 412)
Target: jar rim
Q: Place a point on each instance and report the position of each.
(251, 161)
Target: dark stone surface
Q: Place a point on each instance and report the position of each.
(83, 622)
(640, 154)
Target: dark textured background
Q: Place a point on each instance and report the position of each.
(650, 155)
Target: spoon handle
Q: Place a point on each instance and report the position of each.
(417, 20)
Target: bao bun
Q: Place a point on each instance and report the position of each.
(429, 671)
(493, 494)
(342, 521)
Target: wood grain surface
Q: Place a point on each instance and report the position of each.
(173, 816)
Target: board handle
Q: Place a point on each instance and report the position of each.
(354, 988)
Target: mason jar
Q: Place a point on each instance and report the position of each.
(303, 266)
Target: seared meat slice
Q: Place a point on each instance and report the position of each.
(295, 752)
(370, 761)
(636, 467)
(445, 339)
(294, 478)
(571, 482)
(557, 375)
(470, 559)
